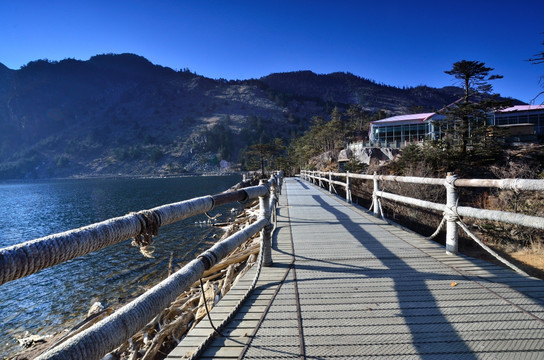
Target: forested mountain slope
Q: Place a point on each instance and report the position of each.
(122, 115)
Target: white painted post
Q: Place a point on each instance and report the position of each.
(348, 192)
(452, 235)
(375, 207)
(330, 182)
(266, 232)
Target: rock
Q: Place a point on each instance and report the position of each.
(30, 340)
(373, 156)
(345, 155)
(95, 309)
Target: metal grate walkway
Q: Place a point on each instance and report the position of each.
(347, 285)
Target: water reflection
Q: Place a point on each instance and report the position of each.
(58, 297)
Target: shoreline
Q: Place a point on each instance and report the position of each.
(114, 177)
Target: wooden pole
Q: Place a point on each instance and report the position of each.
(375, 207)
(452, 236)
(266, 232)
(348, 192)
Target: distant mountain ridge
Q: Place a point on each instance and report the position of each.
(122, 115)
(347, 88)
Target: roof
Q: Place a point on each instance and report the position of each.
(404, 118)
(522, 108)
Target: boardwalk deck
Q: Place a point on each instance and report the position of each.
(347, 285)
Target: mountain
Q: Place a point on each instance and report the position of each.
(346, 88)
(123, 115)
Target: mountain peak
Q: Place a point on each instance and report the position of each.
(125, 58)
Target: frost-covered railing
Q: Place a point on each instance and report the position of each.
(450, 209)
(27, 258)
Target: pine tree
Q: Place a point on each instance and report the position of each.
(468, 117)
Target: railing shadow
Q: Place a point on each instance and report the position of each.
(392, 262)
(528, 286)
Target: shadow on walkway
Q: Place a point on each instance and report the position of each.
(400, 272)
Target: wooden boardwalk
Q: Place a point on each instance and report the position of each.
(347, 285)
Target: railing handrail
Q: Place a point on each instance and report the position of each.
(450, 209)
(510, 184)
(26, 258)
(96, 341)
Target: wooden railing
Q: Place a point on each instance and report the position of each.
(93, 343)
(451, 211)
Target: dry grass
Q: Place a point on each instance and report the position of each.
(530, 257)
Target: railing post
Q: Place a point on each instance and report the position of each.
(273, 197)
(375, 207)
(452, 235)
(266, 232)
(348, 192)
(330, 182)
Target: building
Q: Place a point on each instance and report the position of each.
(520, 115)
(403, 129)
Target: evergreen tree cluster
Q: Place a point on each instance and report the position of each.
(467, 143)
(331, 135)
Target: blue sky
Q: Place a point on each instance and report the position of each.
(400, 43)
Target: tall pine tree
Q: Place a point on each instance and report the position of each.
(468, 117)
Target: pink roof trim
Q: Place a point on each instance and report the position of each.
(409, 117)
(522, 108)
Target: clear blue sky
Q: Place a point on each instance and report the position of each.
(400, 43)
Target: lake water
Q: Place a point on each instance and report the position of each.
(59, 297)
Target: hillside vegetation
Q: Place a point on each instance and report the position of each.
(122, 115)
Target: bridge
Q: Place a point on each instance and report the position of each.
(346, 284)
(336, 281)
